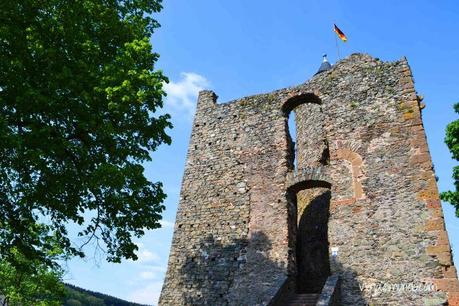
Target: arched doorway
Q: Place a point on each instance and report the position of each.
(309, 233)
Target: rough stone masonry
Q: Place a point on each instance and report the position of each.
(262, 214)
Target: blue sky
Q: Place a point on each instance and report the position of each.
(239, 48)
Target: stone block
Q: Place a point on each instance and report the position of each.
(437, 249)
(435, 225)
(453, 298)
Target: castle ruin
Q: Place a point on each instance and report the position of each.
(347, 209)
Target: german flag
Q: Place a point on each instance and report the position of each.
(339, 33)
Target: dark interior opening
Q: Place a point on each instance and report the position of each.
(309, 232)
(325, 158)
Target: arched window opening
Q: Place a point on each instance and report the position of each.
(304, 128)
(291, 123)
(298, 100)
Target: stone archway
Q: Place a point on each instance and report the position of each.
(308, 192)
(306, 111)
(309, 203)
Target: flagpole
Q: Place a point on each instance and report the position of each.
(337, 47)
(341, 36)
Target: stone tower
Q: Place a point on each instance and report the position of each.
(349, 209)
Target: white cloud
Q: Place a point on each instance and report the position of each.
(182, 95)
(153, 272)
(147, 275)
(166, 224)
(148, 294)
(146, 256)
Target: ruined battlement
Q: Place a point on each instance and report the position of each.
(260, 209)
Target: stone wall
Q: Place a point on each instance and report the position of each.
(359, 130)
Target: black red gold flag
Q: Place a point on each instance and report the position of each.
(339, 33)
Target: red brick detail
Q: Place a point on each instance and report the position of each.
(356, 161)
(344, 202)
(445, 259)
(428, 194)
(435, 224)
(446, 284)
(450, 272)
(435, 250)
(453, 298)
(427, 188)
(442, 238)
(433, 203)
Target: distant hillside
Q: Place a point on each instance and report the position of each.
(77, 296)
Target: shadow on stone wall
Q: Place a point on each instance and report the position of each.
(234, 273)
(240, 273)
(351, 291)
(312, 241)
(313, 260)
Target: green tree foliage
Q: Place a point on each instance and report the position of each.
(26, 282)
(78, 97)
(452, 140)
(76, 296)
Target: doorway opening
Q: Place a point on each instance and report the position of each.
(310, 208)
